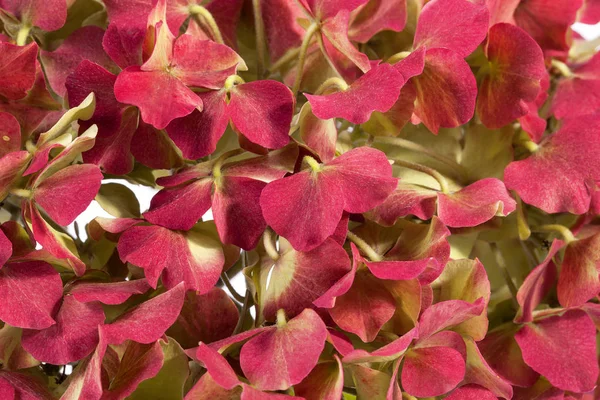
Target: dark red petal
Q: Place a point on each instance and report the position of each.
(6, 249)
(44, 290)
(377, 90)
(514, 78)
(17, 64)
(160, 96)
(237, 211)
(562, 349)
(147, 322)
(73, 337)
(67, 193)
(457, 25)
(205, 318)
(578, 281)
(446, 90)
(197, 134)
(271, 105)
(10, 134)
(83, 44)
(471, 392)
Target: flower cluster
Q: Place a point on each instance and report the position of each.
(410, 190)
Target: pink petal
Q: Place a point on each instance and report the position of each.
(548, 23)
(281, 28)
(432, 371)
(304, 210)
(160, 96)
(197, 134)
(324, 9)
(147, 322)
(217, 366)
(446, 314)
(237, 211)
(17, 64)
(365, 185)
(123, 42)
(205, 318)
(73, 337)
(407, 199)
(575, 95)
(475, 204)
(377, 90)
(67, 193)
(335, 31)
(6, 390)
(299, 278)
(516, 69)
(556, 177)
(52, 241)
(83, 44)
(399, 270)
(10, 134)
(44, 290)
(480, 373)
(471, 392)
(563, 350)
(49, 15)
(191, 257)
(446, 90)
(284, 356)
(166, 205)
(271, 105)
(272, 166)
(320, 135)
(377, 16)
(86, 381)
(457, 25)
(110, 292)
(203, 63)
(153, 148)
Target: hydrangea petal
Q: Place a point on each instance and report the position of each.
(562, 349)
(432, 371)
(43, 287)
(111, 293)
(514, 79)
(73, 337)
(458, 25)
(284, 356)
(17, 69)
(578, 281)
(377, 90)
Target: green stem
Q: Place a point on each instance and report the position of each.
(429, 171)
(364, 246)
(314, 164)
(22, 35)
(302, 56)
(281, 318)
(230, 287)
(398, 57)
(565, 232)
(216, 169)
(286, 58)
(507, 278)
(260, 38)
(562, 68)
(243, 313)
(204, 18)
(332, 83)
